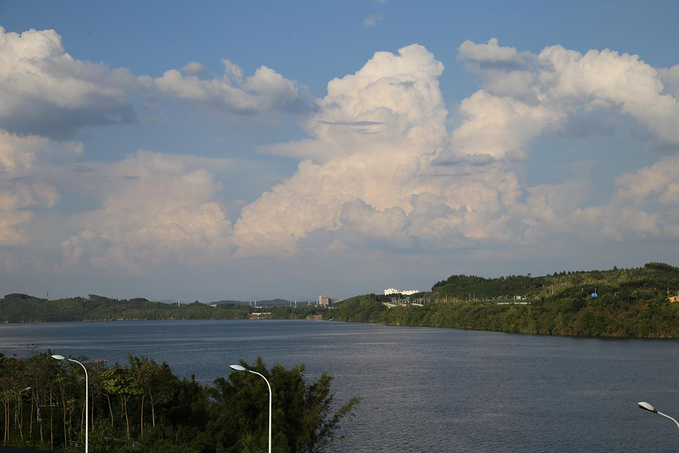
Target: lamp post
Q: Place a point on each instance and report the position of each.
(648, 407)
(87, 398)
(242, 368)
(21, 413)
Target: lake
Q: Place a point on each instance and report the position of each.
(423, 389)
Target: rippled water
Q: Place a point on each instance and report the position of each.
(423, 389)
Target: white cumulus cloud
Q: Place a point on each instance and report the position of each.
(22, 187)
(609, 80)
(45, 91)
(264, 92)
(156, 208)
(369, 169)
(381, 159)
(382, 167)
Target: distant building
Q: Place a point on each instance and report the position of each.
(323, 301)
(327, 302)
(407, 292)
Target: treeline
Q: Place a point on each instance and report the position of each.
(142, 406)
(604, 317)
(651, 277)
(25, 308)
(632, 302)
(615, 303)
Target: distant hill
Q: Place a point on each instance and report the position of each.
(264, 303)
(639, 302)
(25, 308)
(655, 278)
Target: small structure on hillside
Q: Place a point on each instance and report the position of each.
(406, 292)
(327, 302)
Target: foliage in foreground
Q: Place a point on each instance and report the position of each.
(142, 406)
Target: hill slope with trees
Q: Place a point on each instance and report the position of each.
(636, 302)
(613, 303)
(25, 308)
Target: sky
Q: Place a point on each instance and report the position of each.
(216, 150)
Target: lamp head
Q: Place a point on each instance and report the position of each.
(647, 407)
(58, 357)
(238, 368)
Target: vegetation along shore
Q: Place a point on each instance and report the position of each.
(637, 302)
(142, 406)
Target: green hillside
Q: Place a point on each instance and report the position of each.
(613, 303)
(25, 308)
(638, 302)
(640, 283)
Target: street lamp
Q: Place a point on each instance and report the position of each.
(242, 368)
(21, 413)
(648, 407)
(87, 398)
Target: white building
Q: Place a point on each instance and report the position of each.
(407, 292)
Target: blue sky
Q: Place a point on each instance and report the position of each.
(249, 150)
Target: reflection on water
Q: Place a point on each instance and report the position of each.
(423, 389)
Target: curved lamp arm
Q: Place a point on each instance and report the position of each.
(649, 407)
(242, 368)
(87, 398)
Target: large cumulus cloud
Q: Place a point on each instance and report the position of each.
(144, 211)
(155, 209)
(384, 166)
(646, 204)
(369, 169)
(525, 95)
(22, 189)
(381, 169)
(266, 92)
(45, 91)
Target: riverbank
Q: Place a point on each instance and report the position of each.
(579, 318)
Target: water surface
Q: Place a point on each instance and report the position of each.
(423, 389)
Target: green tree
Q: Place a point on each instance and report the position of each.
(305, 416)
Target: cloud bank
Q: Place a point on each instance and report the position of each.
(382, 167)
(385, 166)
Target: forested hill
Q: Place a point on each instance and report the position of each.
(615, 303)
(639, 302)
(640, 283)
(24, 308)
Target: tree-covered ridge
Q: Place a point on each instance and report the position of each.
(651, 277)
(25, 308)
(618, 302)
(614, 303)
(142, 406)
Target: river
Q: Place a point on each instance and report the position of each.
(423, 389)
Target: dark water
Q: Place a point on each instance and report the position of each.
(423, 389)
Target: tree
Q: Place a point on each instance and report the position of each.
(305, 417)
